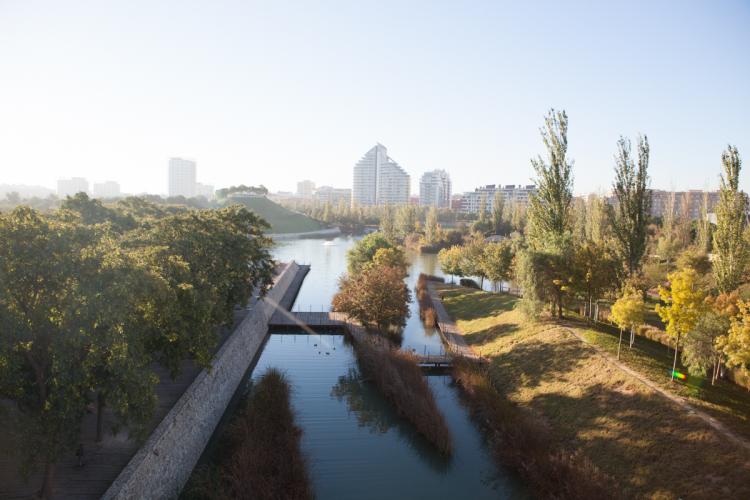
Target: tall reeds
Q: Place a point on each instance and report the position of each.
(400, 380)
(523, 443)
(260, 451)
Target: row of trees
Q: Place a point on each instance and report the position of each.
(92, 296)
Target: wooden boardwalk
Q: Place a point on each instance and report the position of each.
(448, 329)
(335, 322)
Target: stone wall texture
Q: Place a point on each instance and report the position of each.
(164, 463)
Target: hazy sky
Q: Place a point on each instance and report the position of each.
(275, 92)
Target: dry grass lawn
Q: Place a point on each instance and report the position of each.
(647, 443)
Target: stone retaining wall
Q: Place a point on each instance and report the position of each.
(164, 463)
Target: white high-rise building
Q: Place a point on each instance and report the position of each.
(182, 174)
(435, 189)
(106, 189)
(72, 186)
(378, 180)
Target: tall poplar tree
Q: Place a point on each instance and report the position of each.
(550, 209)
(729, 248)
(630, 217)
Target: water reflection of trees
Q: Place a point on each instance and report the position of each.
(374, 412)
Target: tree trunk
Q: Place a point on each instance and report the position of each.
(674, 363)
(100, 403)
(632, 337)
(619, 344)
(49, 476)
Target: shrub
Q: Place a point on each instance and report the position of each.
(469, 283)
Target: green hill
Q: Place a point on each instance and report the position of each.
(282, 220)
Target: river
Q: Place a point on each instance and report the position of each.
(356, 447)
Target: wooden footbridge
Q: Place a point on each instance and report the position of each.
(336, 322)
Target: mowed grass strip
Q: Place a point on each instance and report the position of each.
(647, 443)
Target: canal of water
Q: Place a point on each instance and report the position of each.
(356, 447)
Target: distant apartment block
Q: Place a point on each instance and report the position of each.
(378, 180)
(107, 189)
(72, 186)
(435, 189)
(332, 195)
(305, 189)
(471, 201)
(205, 190)
(661, 201)
(182, 177)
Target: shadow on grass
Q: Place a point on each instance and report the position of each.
(490, 334)
(528, 364)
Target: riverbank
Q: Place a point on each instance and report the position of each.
(649, 444)
(320, 233)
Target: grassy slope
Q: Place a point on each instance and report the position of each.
(282, 220)
(630, 432)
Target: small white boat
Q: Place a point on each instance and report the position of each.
(329, 243)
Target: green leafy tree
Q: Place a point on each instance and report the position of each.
(363, 251)
(450, 260)
(472, 257)
(594, 272)
(44, 342)
(498, 261)
(730, 251)
(498, 212)
(431, 227)
(550, 209)
(684, 305)
(630, 217)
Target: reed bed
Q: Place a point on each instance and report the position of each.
(400, 380)
(522, 442)
(260, 452)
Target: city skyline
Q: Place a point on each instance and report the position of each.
(471, 94)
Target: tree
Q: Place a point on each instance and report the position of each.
(497, 261)
(43, 344)
(498, 207)
(549, 221)
(450, 260)
(630, 217)
(627, 313)
(736, 346)
(472, 257)
(390, 257)
(684, 304)
(375, 296)
(703, 236)
(363, 252)
(729, 248)
(595, 271)
(387, 223)
(431, 226)
(407, 219)
(549, 210)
